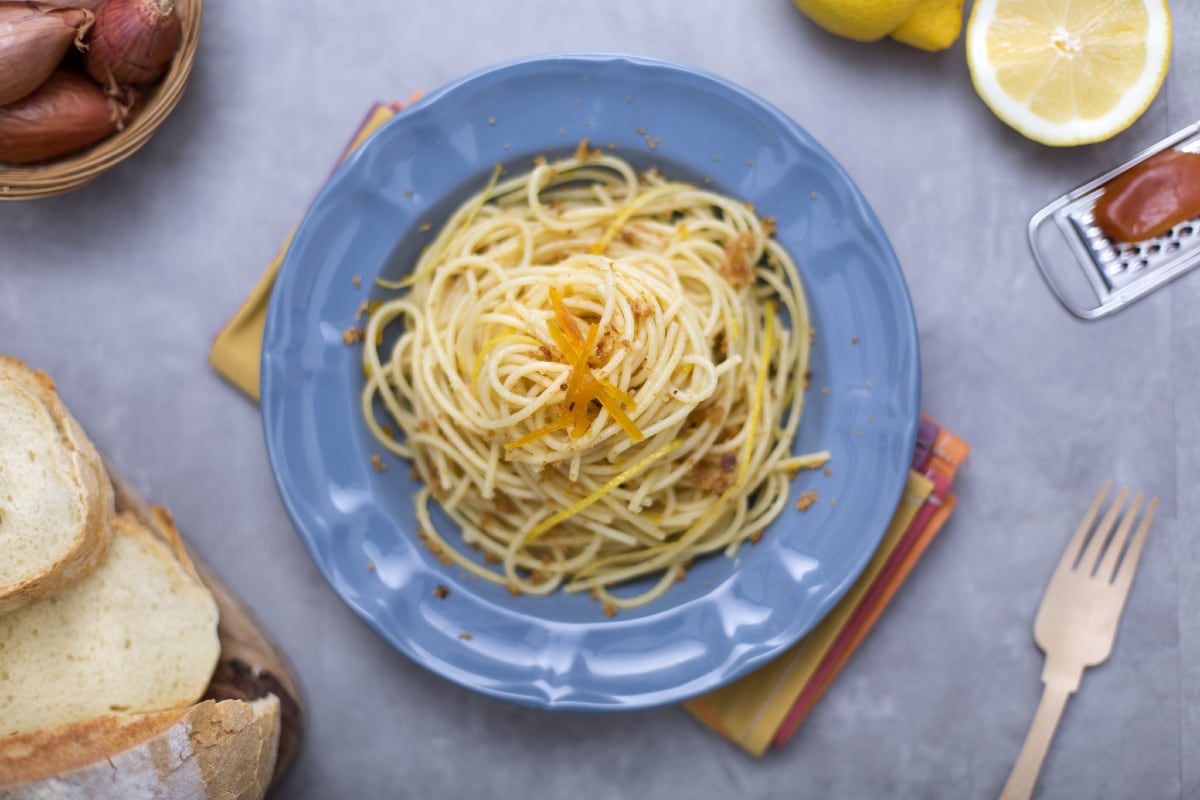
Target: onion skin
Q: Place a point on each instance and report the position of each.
(132, 42)
(34, 37)
(67, 113)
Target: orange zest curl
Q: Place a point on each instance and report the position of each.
(583, 385)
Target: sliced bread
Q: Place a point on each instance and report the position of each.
(210, 750)
(56, 501)
(138, 634)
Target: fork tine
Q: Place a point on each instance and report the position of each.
(1108, 565)
(1075, 546)
(1124, 578)
(1095, 545)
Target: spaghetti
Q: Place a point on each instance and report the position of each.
(592, 379)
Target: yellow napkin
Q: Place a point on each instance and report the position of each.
(237, 349)
(766, 706)
(750, 711)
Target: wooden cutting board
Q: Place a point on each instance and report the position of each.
(251, 664)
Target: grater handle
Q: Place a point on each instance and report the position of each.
(1056, 288)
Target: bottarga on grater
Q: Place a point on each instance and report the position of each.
(1117, 273)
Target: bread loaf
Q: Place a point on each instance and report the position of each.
(211, 750)
(138, 634)
(56, 501)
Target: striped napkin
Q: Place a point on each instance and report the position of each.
(765, 708)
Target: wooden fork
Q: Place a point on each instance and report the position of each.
(1077, 621)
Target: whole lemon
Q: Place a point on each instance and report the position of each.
(927, 24)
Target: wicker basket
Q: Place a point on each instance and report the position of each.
(47, 178)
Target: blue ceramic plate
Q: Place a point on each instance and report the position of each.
(731, 614)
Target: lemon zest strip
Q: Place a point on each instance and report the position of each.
(625, 474)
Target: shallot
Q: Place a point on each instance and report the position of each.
(90, 5)
(132, 42)
(66, 113)
(34, 37)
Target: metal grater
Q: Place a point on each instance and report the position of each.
(1117, 273)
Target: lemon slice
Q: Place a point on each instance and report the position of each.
(1065, 72)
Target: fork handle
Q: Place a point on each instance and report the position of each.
(1023, 778)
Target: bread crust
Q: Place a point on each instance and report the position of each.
(86, 469)
(209, 750)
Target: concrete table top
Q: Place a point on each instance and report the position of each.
(117, 289)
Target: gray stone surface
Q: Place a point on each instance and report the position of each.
(118, 288)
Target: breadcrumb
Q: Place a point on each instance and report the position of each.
(377, 462)
(807, 500)
(466, 637)
(737, 268)
(441, 591)
(584, 152)
(357, 280)
(715, 476)
(353, 336)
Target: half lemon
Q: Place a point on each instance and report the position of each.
(1064, 72)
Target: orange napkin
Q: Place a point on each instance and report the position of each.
(766, 707)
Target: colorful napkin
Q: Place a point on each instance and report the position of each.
(765, 708)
